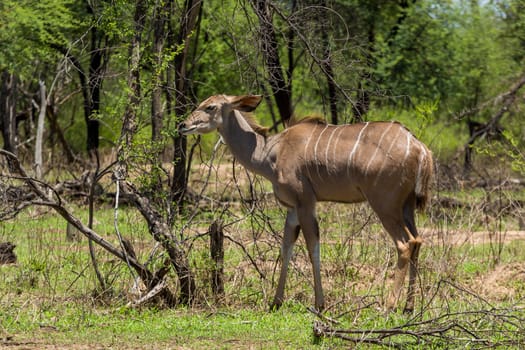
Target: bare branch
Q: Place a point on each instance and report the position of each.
(478, 328)
(58, 206)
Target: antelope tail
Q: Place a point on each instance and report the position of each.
(424, 178)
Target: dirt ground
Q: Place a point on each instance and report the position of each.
(497, 284)
(459, 237)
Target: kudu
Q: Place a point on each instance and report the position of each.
(310, 161)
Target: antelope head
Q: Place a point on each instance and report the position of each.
(210, 113)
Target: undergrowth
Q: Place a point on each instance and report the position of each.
(470, 265)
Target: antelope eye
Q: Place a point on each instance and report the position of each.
(210, 108)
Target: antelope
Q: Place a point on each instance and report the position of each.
(311, 161)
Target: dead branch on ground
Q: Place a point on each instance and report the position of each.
(488, 327)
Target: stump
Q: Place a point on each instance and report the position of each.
(217, 255)
(7, 254)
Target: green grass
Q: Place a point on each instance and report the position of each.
(73, 323)
(51, 297)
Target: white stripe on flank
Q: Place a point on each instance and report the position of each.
(315, 150)
(377, 147)
(421, 158)
(387, 156)
(407, 152)
(329, 142)
(351, 156)
(338, 137)
(306, 150)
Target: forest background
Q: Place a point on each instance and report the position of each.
(91, 93)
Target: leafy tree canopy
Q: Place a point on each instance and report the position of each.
(28, 30)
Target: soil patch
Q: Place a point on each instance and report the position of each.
(460, 237)
(503, 282)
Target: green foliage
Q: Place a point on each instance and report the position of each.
(455, 52)
(227, 51)
(418, 61)
(509, 148)
(444, 139)
(114, 18)
(29, 29)
(514, 152)
(512, 16)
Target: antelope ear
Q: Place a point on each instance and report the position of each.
(246, 103)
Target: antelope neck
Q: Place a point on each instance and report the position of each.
(248, 147)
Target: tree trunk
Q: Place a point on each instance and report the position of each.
(270, 50)
(217, 255)
(328, 70)
(161, 232)
(40, 130)
(159, 38)
(160, 21)
(97, 63)
(8, 111)
(90, 85)
(189, 25)
(362, 104)
(157, 223)
(94, 85)
(129, 120)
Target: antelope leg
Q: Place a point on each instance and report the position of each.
(291, 232)
(415, 242)
(403, 240)
(310, 229)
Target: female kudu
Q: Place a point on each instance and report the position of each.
(310, 161)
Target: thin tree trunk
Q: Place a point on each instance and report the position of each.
(217, 255)
(8, 111)
(270, 50)
(90, 85)
(328, 70)
(91, 213)
(189, 23)
(97, 63)
(159, 39)
(161, 13)
(94, 85)
(362, 104)
(129, 122)
(157, 224)
(40, 130)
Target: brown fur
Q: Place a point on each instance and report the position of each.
(315, 119)
(250, 118)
